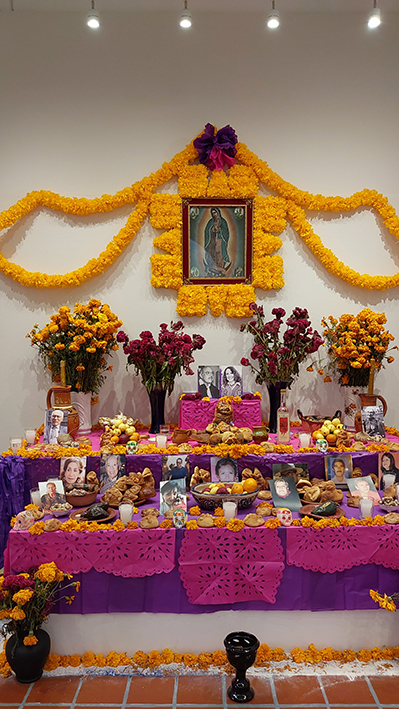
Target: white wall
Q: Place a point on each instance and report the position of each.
(83, 113)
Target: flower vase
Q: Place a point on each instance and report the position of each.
(275, 402)
(27, 661)
(82, 403)
(352, 405)
(157, 400)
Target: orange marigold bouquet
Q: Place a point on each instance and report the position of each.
(26, 600)
(82, 338)
(353, 341)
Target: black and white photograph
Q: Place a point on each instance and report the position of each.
(373, 420)
(231, 380)
(208, 380)
(55, 424)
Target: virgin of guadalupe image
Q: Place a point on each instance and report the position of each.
(217, 235)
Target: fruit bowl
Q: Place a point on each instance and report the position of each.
(310, 424)
(211, 502)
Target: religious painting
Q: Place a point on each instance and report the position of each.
(217, 241)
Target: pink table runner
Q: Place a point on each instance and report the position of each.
(218, 566)
(330, 550)
(198, 414)
(131, 553)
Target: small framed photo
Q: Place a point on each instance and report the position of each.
(175, 467)
(338, 468)
(208, 380)
(363, 487)
(217, 240)
(231, 380)
(373, 420)
(388, 464)
(112, 467)
(55, 424)
(51, 492)
(284, 470)
(285, 494)
(224, 470)
(73, 471)
(173, 495)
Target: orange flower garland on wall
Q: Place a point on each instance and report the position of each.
(241, 181)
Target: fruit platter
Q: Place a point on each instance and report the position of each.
(209, 496)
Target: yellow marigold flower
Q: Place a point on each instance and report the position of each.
(218, 512)
(309, 369)
(320, 371)
(235, 525)
(77, 585)
(327, 379)
(30, 640)
(69, 600)
(194, 511)
(80, 368)
(166, 524)
(23, 596)
(191, 524)
(17, 613)
(59, 346)
(219, 521)
(90, 349)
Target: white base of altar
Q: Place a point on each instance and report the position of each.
(129, 632)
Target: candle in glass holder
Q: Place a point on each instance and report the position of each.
(15, 443)
(35, 496)
(161, 440)
(164, 428)
(388, 480)
(229, 509)
(366, 507)
(304, 440)
(30, 435)
(125, 513)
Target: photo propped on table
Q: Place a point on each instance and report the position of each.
(51, 493)
(172, 495)
(175, 467)
(388, 465)
(224, 470)
(73, 471)
(338, 468)
(363, 487)
(285, 494)
(112, 467)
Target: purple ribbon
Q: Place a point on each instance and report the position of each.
(216, 151)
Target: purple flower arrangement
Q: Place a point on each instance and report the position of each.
(215, 150)
(279, 354)
(160, 362)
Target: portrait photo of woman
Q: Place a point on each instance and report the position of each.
(72, 471)
(231, 381)
(112, 467)
(388, 465)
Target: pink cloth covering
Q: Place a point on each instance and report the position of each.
(218, 566)
(132, 553)
(198, 414)
(330, 550)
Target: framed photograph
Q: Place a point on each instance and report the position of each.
(284, 470)
(208, 380)
(173, 495)
(51, 491)
(338, 468)
(72, 471)
(224, 470)
(373, 420)
(112, 467)
(217, 240)
(175, 467)
(285, 494)
(55, 423)
(363, 487)
(231, 380)
(388, 464)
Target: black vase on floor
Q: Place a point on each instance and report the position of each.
(275, 402)
(27, 661)
(241, 649)
(157, 400)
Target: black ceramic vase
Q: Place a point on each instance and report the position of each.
(27, 661)
(157, 401)
(275, 402)
(241, 651)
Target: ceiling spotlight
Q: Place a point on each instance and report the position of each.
(273, 19)
(185, 17)
(92, 18)
(375, 16)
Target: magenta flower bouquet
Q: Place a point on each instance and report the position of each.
(279, 354)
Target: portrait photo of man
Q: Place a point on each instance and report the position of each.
(175, 467)
(208, 381)
(51, 492)
(172, 495)
(56, 423)
(285, 494)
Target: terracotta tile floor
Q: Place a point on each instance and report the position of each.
(193, 692)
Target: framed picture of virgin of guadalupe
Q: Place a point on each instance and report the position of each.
(217, 240)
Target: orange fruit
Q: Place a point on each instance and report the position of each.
(331, 438)
(249, 485)
(237, 489)
(114, 439)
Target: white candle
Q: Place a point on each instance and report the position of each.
(229, 509)
(30, 435)
(366, 507)
(35, 496)
(125, 512)
(15, 443)
(304, 440)
(161, 440)
(388, 479)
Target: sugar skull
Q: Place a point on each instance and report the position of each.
(284, 515)
(179, 518)
(322, 445)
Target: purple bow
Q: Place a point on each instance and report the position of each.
(216, 151)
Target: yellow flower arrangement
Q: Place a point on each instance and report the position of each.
(235, 525)
(353, 341)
